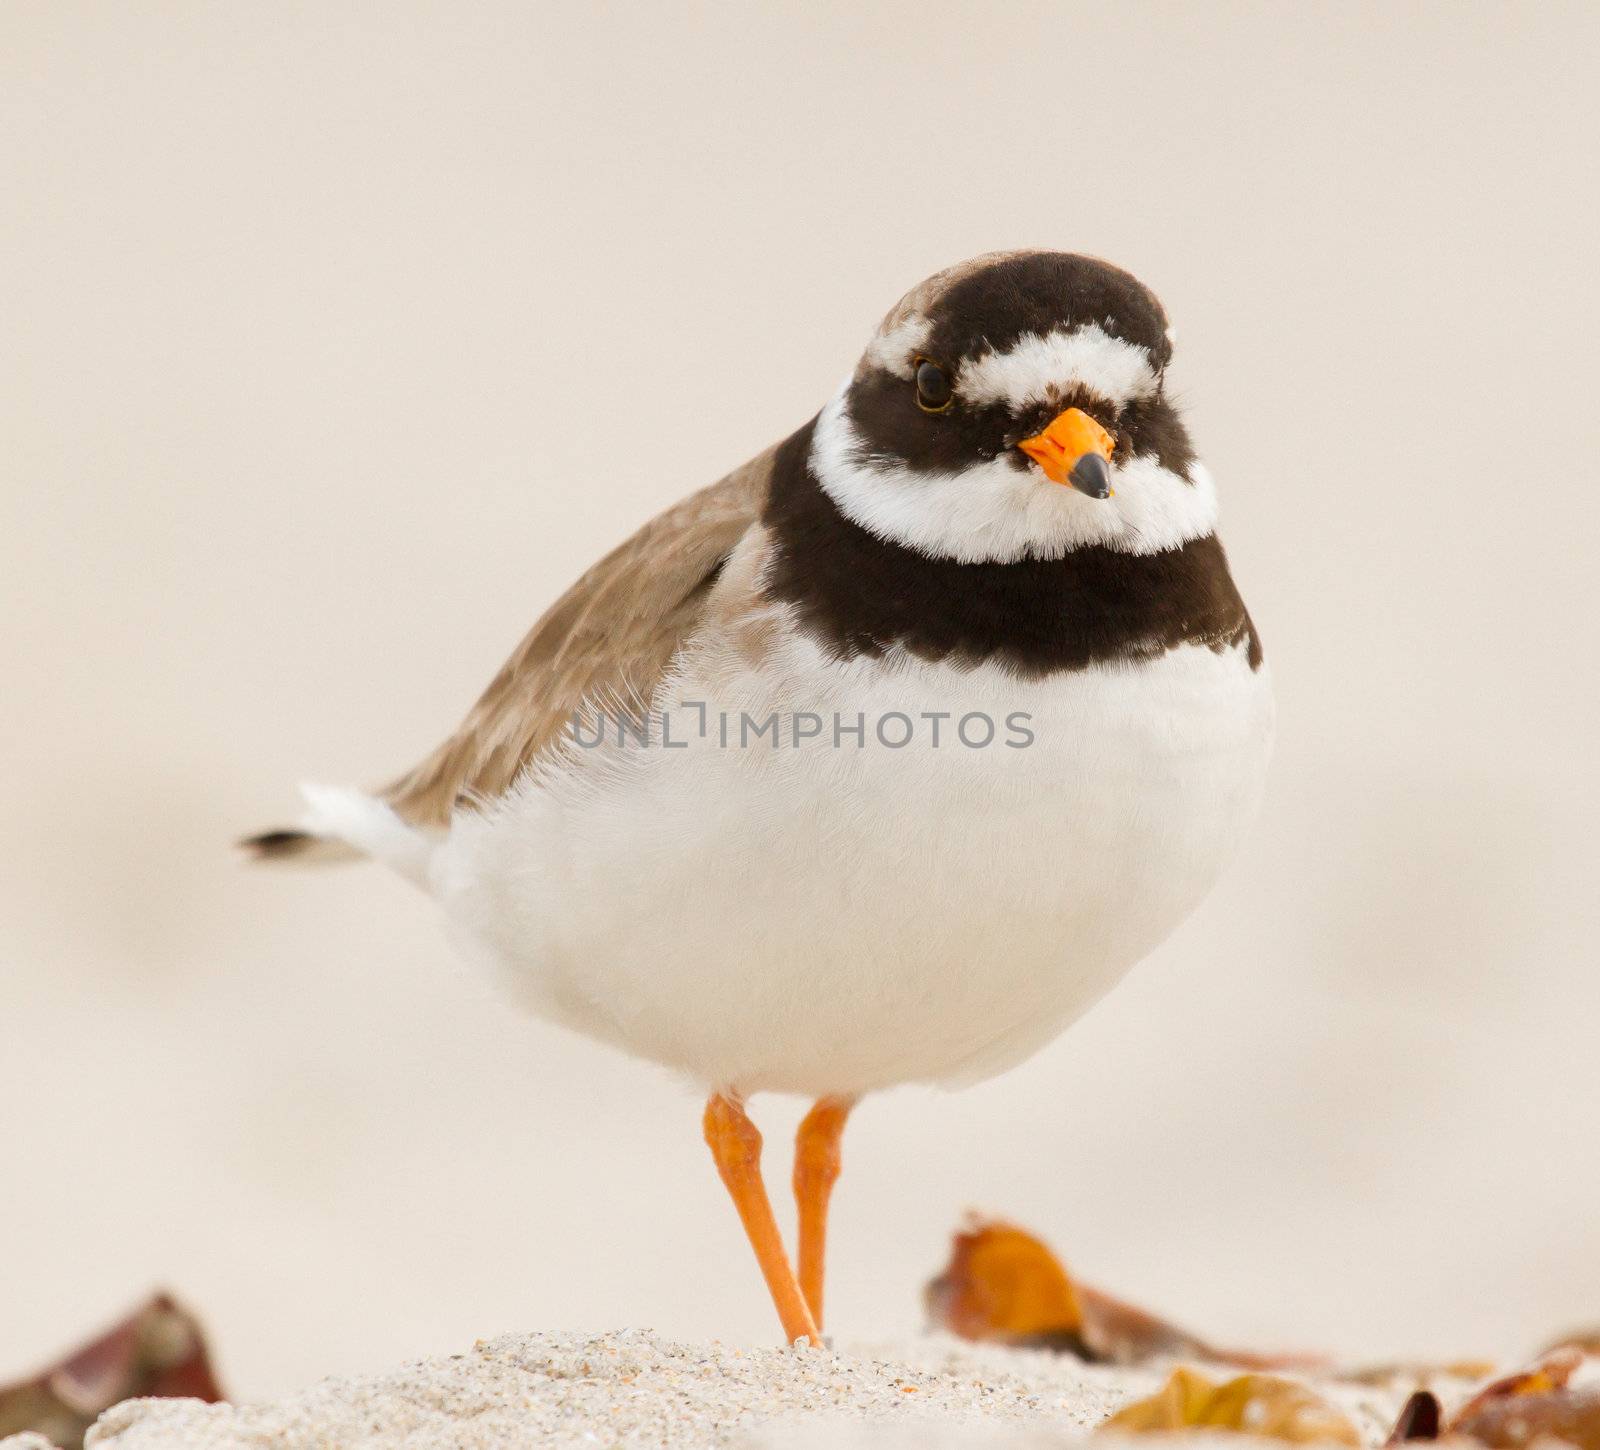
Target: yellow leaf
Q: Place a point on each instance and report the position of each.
(1251, 1404)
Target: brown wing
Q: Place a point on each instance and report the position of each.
(611, 635)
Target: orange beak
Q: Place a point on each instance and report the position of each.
(1074, 450)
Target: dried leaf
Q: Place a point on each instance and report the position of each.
(1520, 1420)
(1251, 1404)
(157, 1351)
(1535, 1403)
(1003, 1284)
(1550, 1373)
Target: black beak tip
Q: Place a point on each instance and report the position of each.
(1091, 475)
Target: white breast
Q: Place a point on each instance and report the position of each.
(835, 917)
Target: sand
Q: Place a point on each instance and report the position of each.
(633, 1388)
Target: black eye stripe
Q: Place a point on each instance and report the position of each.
(969, 431)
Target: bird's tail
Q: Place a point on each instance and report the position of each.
(345, 825)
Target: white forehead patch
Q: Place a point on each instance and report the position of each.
(997, 512)
(1037, 366)
(893, 350)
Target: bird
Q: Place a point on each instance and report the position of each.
(878, 761)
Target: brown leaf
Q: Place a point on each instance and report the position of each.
(1003, 1284)
(157, 1351)
(1550, 1373)
(1520, 1420)
(1251, 1404)
(1519, 1409)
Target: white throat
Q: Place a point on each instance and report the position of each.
(996, 512)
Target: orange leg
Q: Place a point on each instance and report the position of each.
(816, 1169)
(736, 1145)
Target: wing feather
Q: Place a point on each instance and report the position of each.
(610, 636)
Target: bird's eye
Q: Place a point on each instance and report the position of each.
(934, 393)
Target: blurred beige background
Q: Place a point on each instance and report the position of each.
(314, 322)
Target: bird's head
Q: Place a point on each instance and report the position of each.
(1014, 407)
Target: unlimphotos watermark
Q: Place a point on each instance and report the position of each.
(694, 722)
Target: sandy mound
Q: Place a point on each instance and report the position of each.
(635, 1389)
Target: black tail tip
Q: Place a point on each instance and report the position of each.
(276, 845)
